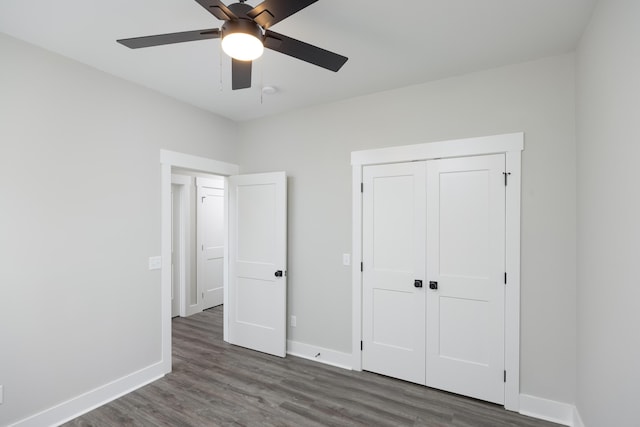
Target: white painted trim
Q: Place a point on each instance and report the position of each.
(548, 410)
(90, 400)
(513, 166)
(577, 419)
(165, 273)
(509, 144)
(225, 270)
(356, 274)
(198, 164)
(181, 179)
(168, 160)
(185, 182)
(434, 150)
(319, 354)
(210, 182)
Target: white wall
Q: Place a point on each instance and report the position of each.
(313, 145)
(79, 169)
(80, 214)
(608, 113)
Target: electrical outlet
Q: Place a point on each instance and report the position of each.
(346, 259)
(1, 394)
(293, 321)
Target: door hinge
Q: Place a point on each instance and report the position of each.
(362, 266)
(505, 376)
(362, 187)
(505, 277)
(361, 346)
(506, 174)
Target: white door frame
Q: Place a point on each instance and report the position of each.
(168, 160)
(509, 144)
(184, 182)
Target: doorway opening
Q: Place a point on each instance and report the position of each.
(171, 162)
(198, 240)
(254, 251)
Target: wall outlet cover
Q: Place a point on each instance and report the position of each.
(155, 263)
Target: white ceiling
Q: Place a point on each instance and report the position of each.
(389, 44)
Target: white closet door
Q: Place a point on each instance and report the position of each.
(465, 257)
(257, 262)
(394, 258)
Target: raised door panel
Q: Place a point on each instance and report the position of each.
(465, 257)
(393, 257)
(211, 235)
(257, 250)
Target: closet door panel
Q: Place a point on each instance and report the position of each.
(465, 270)
(394, 258)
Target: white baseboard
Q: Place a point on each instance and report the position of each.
(577, 420)
(90, 400)
(532, 406)
(319, 354)
(550, 410)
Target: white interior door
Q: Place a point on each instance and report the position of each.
(465, 257)
(257, 286)
(211, 235)
(394, 259)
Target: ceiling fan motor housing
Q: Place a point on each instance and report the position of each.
(241, 25)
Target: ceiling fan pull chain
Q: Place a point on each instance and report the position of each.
(261, 83)
(220, 72)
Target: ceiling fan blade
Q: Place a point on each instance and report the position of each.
(218, 9)
(240, 74)
(186, 36)
(270, 12)
(303, 51)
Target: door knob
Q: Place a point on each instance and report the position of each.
(433, 285)
(417, 283)
(279, 273)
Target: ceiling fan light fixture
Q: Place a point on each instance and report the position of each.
(242, 40)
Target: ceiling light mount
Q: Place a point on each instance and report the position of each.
(242, 39)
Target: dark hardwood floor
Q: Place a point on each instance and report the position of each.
(217, 384)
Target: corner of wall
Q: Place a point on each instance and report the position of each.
(550, 410)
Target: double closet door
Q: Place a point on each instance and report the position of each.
(434, 272)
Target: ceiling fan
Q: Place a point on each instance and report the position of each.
(245, 33)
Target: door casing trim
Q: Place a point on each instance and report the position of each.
(168, 160)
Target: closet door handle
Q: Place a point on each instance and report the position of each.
(278, 273)
(417, 283)
(433, 285)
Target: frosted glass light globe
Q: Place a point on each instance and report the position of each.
(243, 47)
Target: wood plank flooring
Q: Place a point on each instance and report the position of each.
(217, 384)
